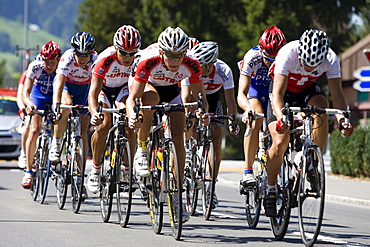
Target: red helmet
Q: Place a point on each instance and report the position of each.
(127, 38)
(50, 51)
(271, 41)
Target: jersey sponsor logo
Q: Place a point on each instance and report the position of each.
(37, 67)
(150, 64)
(193, 65)
(142, 74)
(254, 61)
(221, 74)
(101, 70)
(108, 61)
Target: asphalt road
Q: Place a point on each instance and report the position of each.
(24, 222)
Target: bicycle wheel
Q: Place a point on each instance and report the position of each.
(106, 184)
(36, 175)
(191, 183)
(154, 186)
(45, 170)
(279, 224)
(311, 196)
(253, 200)
(124, 178)
(77, 174)
(174, 188)
(209, 177)
(61, 179)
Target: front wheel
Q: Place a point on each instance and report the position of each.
(279, 224)
(155, 203)
(106, 181)
(45, 170)
(209, 178)
(62, 175)
(77, 175)
(192, 183)
(124, 178)
(174, 190)
(311, 196)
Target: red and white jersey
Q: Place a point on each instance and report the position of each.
(151, 68)
(107, 68)
(68, 67)
(288, 63)
(221, 76)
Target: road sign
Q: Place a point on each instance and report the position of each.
(362, 86)
(363, 74)
(366, 53)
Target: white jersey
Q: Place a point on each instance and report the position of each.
(108, 68)
(68, 67)
(252, 65)
(152, 69)
(221, 76)
(288, 63)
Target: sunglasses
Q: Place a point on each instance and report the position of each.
(174, 56)
(127, 54)
(271, 60)
(82, 54)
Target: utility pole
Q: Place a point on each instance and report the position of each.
(26, 60)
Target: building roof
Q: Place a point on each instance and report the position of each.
(353, 58)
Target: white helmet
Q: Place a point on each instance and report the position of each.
(173, 40)
(313, 47)
(205, 52)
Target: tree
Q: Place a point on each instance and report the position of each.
(235, 25)
(2, 72)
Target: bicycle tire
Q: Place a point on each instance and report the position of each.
(253, 200)
(191, 183)
(279, 224)
(124, 178)
(61, 179)
(174, 187)
(106, 184)
(46, 165)
(154, 184)
(311, 196)
(77, 174)
(36, 174)
(208, 164)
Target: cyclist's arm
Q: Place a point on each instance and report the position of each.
(244, 84)
(95, 89)
(339, 101)
(230, 101)
(197, 88)
(58, 88)
(277, 96)
(136, 92)
(28, 84)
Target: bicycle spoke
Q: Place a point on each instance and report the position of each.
(311, 196)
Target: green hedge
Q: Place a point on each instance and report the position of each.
(350, 156)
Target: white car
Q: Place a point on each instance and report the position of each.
(10, 138)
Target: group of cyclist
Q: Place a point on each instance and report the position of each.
(177, 69)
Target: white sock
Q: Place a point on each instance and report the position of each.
(271, 188)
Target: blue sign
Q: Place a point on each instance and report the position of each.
(363, 74)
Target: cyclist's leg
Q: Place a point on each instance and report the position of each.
(98, 147)
(320, 127)
(34, 132)
(177, 128)
(149, 97)
(251, 143)
(274, 160)
(54, 153)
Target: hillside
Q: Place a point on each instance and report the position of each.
(11, 34)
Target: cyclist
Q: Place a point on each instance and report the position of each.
(216, 75)
(71, 87)
(38, 90)
(157, 77)
(109, 85)
(253, 91)
(22, 115)
(297, 67)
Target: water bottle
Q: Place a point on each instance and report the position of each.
(159, 154)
